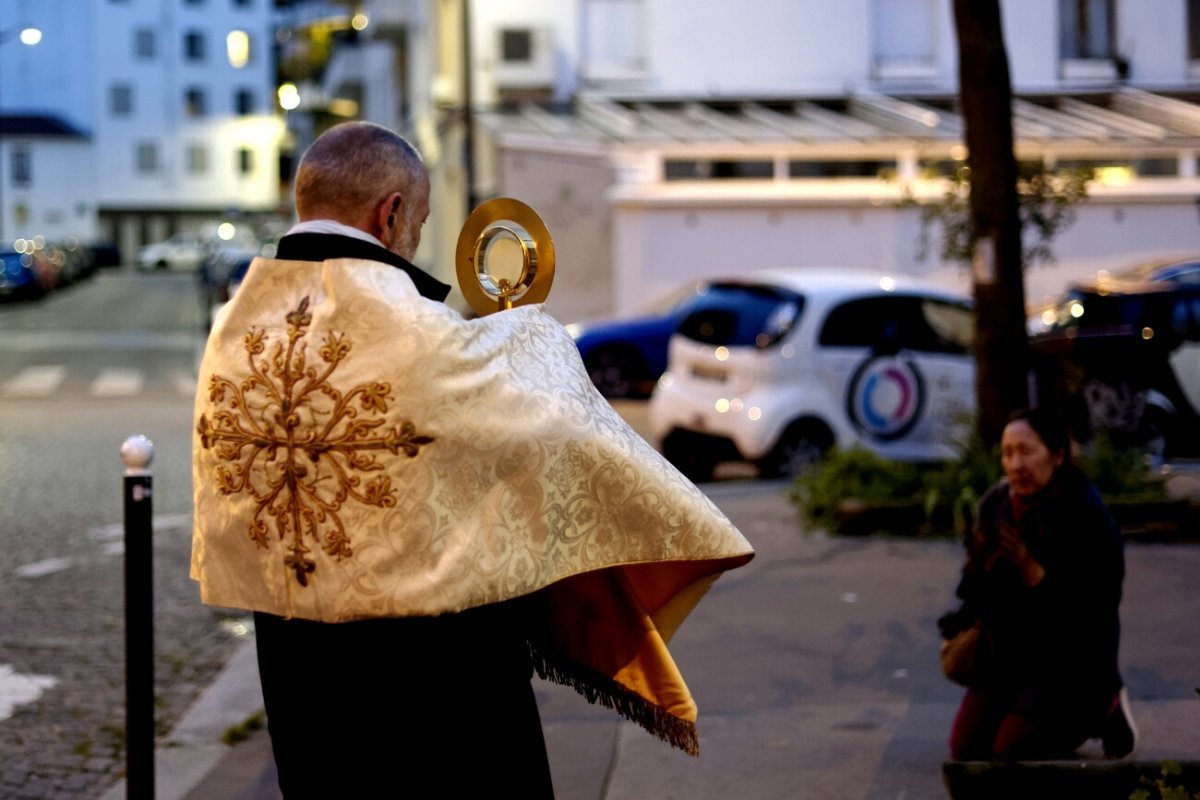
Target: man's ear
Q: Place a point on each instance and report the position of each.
(385, 216)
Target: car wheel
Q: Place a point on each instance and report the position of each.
(161, 264)
(800, 447)
(616, 372)
(1156, 439)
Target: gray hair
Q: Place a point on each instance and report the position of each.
(353, 166)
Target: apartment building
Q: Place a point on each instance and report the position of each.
(170, 105)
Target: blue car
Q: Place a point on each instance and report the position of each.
(625, 357)
(19, 277)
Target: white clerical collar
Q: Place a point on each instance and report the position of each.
(333, 226)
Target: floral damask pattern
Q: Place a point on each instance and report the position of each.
(300, 446)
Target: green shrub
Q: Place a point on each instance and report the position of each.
(952, 490)
(854, 473)
(949, 492)
(1120, 474)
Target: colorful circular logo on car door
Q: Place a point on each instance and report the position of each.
(886, 397)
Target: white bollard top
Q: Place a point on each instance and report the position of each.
(137, 452)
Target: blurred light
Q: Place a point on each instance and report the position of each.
(666, 380)
(359, 22)
(787, 351)
(736, 404)
(958, 152)
(237, 47)
(1102, 275)
(343, 107)
(755, 413)
(1076, 310)
(39, 242)
(1048, 316)
(722, 405)
(721, 353)
(30, 36)
(1114, 176)
(289, 96)
(1147, 333)
(226, 231)
(887, 283)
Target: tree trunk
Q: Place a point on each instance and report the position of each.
(1002, 358)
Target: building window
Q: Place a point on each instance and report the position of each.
(245, 158)
(615, 39)
(705, 170)
(193, 102)
(147, 157)
(884, 170)
(1193, 23)
(120, 100)
(143, 43)
(1087, 30)
(516, 45)
(193, 46)
(22, 167)
(237, 49)
(243, 101)
(197, 159)
(904, 38)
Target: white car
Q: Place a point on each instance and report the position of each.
(181, 251)
(780, 365)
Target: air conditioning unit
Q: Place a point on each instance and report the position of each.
(524, 57)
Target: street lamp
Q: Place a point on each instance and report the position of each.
(28, 36)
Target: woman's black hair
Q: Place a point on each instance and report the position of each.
(1048, 426)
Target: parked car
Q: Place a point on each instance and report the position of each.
(226, 260)
(1127, 354)
(780, 366)
(625, 357)
(184, 251)
(223, 292)
(22, 276)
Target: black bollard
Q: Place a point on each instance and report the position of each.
(137, 453)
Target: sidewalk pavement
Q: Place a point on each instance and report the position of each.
(786, 734)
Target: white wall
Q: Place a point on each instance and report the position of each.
(660, 247)
(59, 202)
(1152, 34)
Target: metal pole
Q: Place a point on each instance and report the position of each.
(137, 452)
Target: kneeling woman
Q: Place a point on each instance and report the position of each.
(1043, 580)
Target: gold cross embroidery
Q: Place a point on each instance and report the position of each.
(286, 409)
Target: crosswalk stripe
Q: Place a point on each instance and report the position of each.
(184, 384)
(43, 380)
(36, 381)
(117, 382)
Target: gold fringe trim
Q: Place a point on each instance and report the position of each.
(599, 688)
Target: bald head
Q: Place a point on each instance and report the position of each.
(350, 167)
(362, 175)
